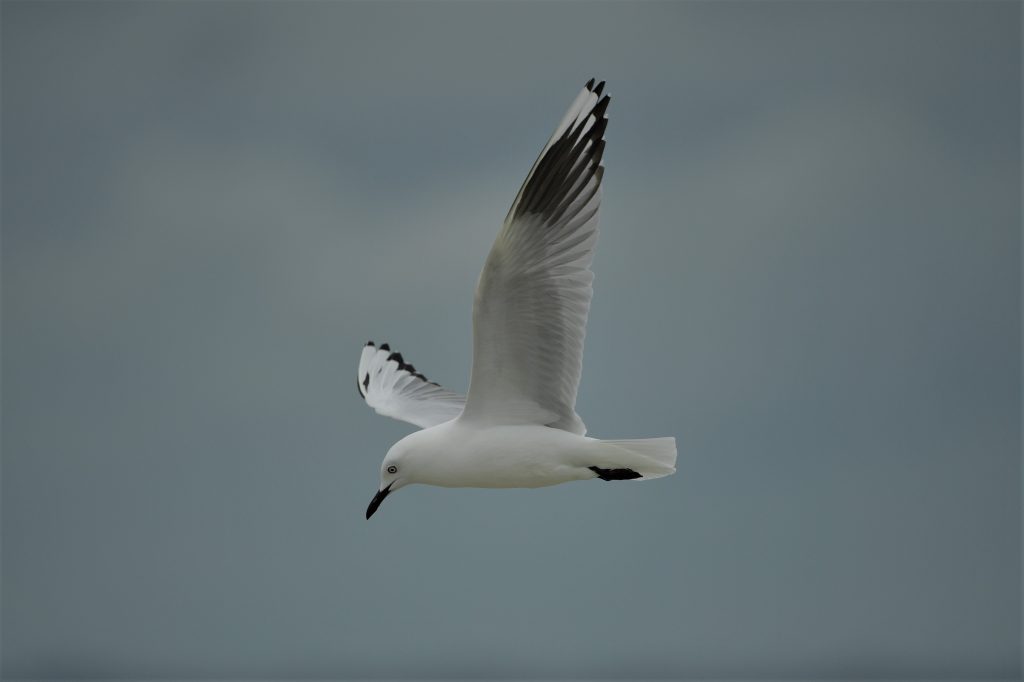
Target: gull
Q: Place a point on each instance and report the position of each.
(517, 427)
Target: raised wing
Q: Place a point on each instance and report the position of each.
(395, 389)
(533, 296)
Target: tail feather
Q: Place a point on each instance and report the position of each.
(648, 457)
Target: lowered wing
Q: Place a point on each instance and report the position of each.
(395, 389)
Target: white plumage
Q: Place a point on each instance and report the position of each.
(518, 425)
(395, 389)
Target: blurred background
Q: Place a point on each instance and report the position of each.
(809, 273)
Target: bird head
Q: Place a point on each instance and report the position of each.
(396, 471)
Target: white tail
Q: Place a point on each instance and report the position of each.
(649, 457)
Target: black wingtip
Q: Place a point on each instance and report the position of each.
(599, 89)
(590, 84)
(385, 346)
(368, 343)
(602, 106)
(598, 156)
(397, 357)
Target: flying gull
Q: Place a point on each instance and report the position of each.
(517, 427)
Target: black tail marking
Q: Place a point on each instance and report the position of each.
(615, 474)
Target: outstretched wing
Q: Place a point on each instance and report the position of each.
(395, 389)
(533, 296)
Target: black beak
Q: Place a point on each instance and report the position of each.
(377, 499)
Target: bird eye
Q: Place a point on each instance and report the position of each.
(392, 469)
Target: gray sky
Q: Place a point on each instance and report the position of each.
(808, 273)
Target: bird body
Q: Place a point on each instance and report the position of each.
(518, 427)
(459, 454)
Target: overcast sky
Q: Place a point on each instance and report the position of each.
(808, 273)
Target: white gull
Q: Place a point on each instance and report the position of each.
(518, 427)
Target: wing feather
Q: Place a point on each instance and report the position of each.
(533, 296)
(394, 388)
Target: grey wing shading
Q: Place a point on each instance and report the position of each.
(533, 296)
